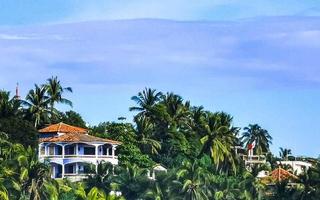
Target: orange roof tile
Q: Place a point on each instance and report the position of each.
(280, 174)
(77, 137)
(62, 128)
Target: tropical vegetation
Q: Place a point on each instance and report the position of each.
(196, 146)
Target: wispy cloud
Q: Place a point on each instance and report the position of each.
(120, 50)
(6, 36)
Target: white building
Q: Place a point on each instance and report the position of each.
(156, 169)
(298, 167)
(71, 151)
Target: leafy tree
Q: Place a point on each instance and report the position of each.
(8, 107)
(73, 118)
(19, 131)
(128, 151)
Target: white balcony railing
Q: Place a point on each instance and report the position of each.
(254, 159)
(77, 156)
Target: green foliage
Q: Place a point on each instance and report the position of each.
(19, 131)
(8, 107)
(70, 117)
(196, 146)
(261, 137)
(128, 151)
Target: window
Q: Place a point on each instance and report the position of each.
(42, 150)
(89, 150)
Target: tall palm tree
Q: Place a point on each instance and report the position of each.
(34, 175)
(144, 130)
(218, 138)
(175, 111)
(284, 153)
(261, 137)
(55, 92)
(145, 100)
(37, 103)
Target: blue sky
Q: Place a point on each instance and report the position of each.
(256, 60)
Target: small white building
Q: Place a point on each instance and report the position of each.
(71, 152)
(156, 169)
(298, 167)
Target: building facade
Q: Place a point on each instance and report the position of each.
(72, 153)
(298, 167)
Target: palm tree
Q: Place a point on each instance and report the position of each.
(33, 174)
(284, 153)
(102, 178)
(162, 187)
(144, 130)
(132, 181)
(37, 104)
(261, 137)
(8, 107)
(218, 138)
(5, 146)
(93, 194)
(55, 92)
(310, 181)
(251, 185)
(192, 180)
(145, 100)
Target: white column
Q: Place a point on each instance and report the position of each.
(77, 171)
(53, 167)
(97, 148)
(45, 150)
(62, 174)
(153, 175)
(39, 149)
(62, 151)
(113, 151)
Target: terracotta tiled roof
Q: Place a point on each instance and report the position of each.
(62, 128)
(77, 137)
(280, 174)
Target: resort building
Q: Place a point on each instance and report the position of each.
(71, 152)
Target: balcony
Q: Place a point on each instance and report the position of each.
(254, 159)
(77, 150)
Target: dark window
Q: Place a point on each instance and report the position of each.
(70, 150)
(89, 151)
(69, 169)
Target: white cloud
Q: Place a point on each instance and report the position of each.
(6, 36)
